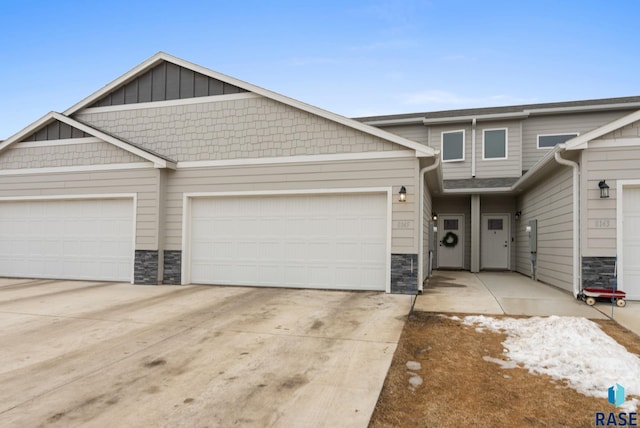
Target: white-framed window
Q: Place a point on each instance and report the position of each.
(494, 144)
(452, 146)
(549, 141)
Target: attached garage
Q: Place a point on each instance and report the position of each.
(333, 241)
(630, 260)
(90, 239)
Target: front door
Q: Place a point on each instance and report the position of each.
(495, 241)
(451, 241)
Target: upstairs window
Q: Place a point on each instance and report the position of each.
(453, 146)
(549, 141)
(494, 144)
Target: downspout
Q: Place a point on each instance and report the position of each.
(423, 172)
(577, 280)
(473, 148)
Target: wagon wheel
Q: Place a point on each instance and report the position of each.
(621, 303)
(590, 301)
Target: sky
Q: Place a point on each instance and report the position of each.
(355, 58)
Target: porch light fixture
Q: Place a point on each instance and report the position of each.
(403, 194)
(518, 214)
(604, 189)
(434, 216)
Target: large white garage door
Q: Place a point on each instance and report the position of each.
(310, 241)
(631, 242)
(67, 239)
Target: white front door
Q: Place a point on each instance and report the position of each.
(631, 243)
(451, 241)
(494, 250)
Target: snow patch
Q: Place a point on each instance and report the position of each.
(413, 365)
(571, 349)
(415, 381)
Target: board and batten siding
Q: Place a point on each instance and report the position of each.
(559, 124)
(550, 202)
(247, 128)
(599, 215)
(305, 176)
(143, 182)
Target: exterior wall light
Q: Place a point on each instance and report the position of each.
(434, 216)
(403, 194)
(518, 215)
(604, 189)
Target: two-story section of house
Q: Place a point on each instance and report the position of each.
(520, 189)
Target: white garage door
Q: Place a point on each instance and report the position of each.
(631, 242)
(309, 241)
(67, 239)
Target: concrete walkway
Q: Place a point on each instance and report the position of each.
(499, 293)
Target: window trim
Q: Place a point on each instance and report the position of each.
(506, 143)
(463, 145)
(575, 134)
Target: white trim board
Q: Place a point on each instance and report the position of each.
(79, 168)
(297, 159)
(172, 103)
(187, 198)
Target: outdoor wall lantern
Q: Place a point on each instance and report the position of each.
(403, 194)
(604, 189)
(434, 216)
(518, 214)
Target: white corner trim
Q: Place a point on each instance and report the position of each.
(297, 159)
(172, 103)
(52, 143)
(79, 168)
(188, 197)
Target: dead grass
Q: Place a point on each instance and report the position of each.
(461, 389)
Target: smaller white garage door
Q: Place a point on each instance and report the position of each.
(631, 242)
(67, 239)
(307, 241)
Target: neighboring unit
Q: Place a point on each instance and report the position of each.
(177, 174)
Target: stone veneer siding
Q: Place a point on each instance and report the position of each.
(172, 267)
(404, 279)
(145, 270)
(598, 271)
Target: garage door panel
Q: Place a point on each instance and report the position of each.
(293, 241)
(67, 239)
(631, 242)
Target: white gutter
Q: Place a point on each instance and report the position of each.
(423, 172)
(473, 148)
(576, 219)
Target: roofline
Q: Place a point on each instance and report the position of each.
(157, 161)
(420, 149)
(582, 141)
(525, 111)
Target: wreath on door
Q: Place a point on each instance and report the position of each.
(450, 240)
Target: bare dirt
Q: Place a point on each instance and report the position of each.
(461, 389)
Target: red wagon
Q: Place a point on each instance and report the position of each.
(590, 294)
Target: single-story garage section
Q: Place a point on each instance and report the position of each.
(174, 173)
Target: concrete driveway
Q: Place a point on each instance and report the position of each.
(107, 354)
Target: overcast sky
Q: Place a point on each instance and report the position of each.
(355, 58)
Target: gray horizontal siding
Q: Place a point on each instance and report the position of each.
(335, 175)
(143, 182)
(559, 124)
(550, 202)
(599, 215)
